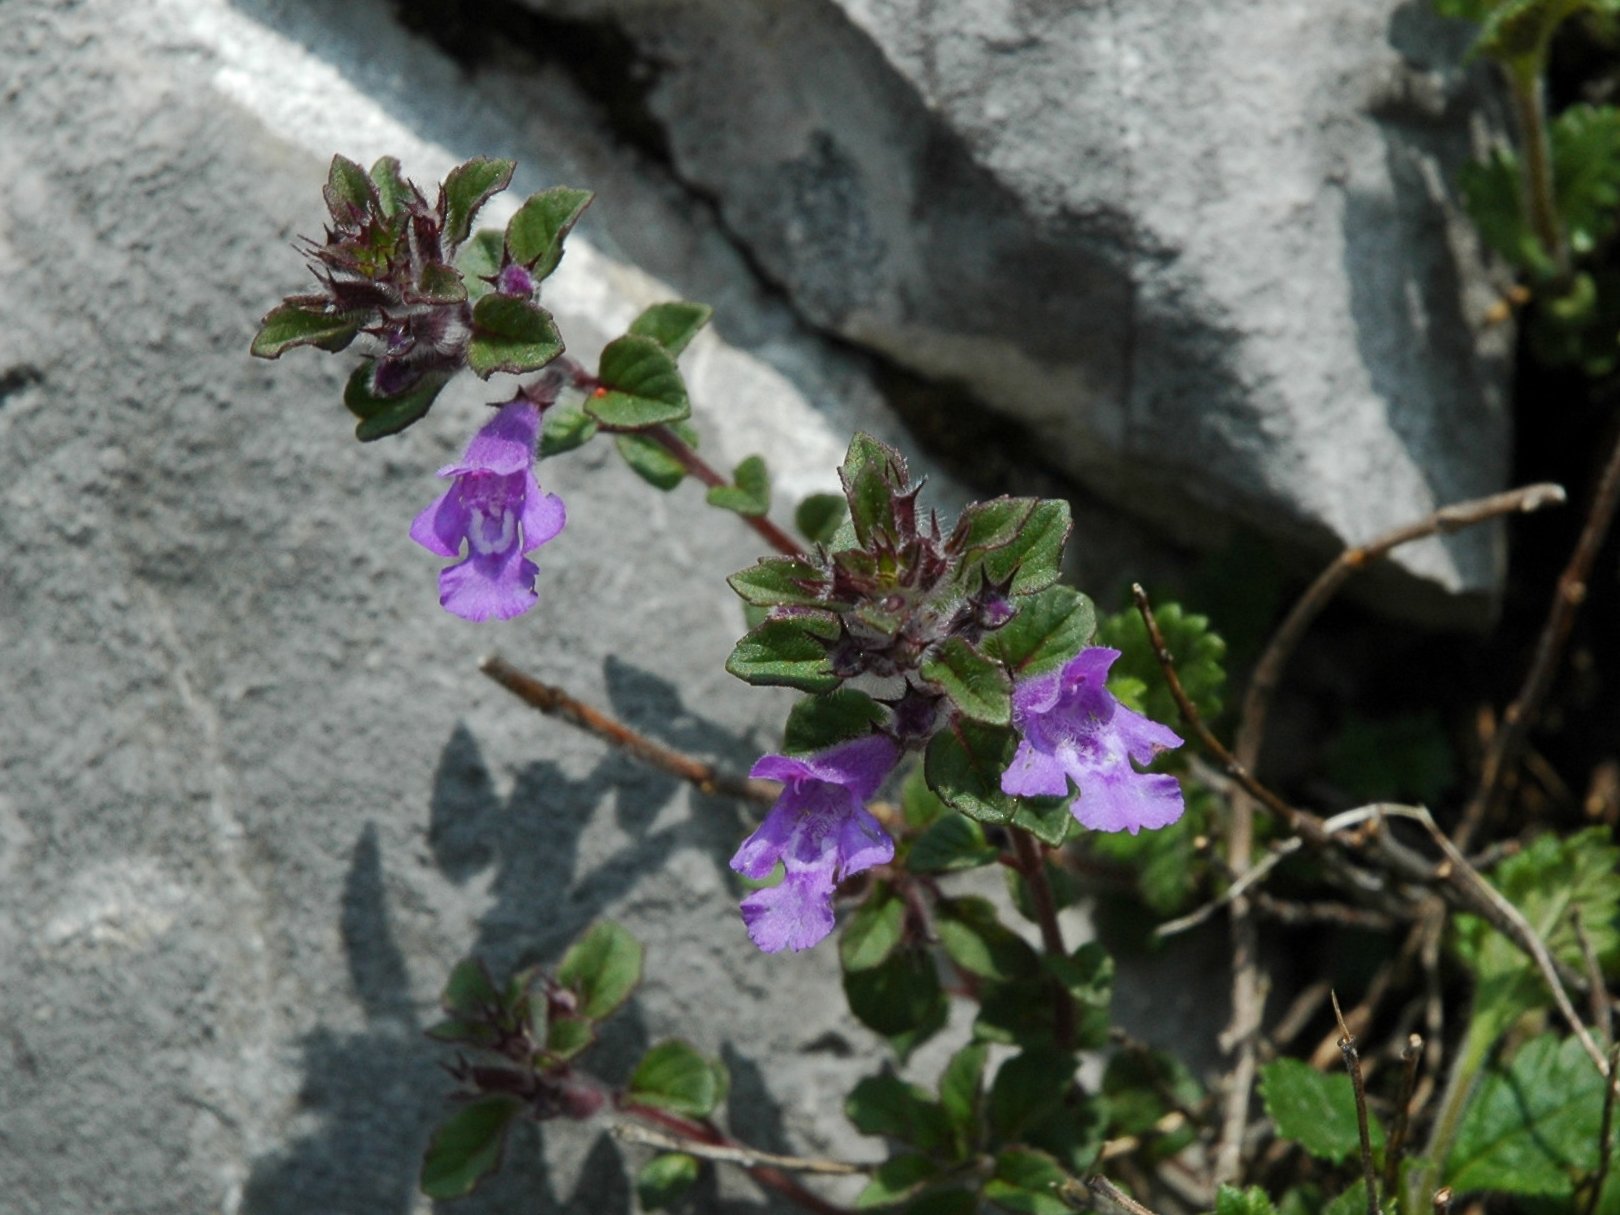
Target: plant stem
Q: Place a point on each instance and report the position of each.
(1530, 108)
(1032, 864)
(706, 473)
(1475, 1047)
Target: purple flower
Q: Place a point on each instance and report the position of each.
(821, 832)
(1073, 728)
(496, 506)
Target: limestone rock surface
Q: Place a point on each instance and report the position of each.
(1210, 254)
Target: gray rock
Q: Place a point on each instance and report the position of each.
(1212, 257)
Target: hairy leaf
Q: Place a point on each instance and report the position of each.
(977, 685)
(789, 653)
(641, 386)
(749, 494)
(673, 324)
(511, 335)
(380, 415)
(535, 233)
(819, 722)
(467, 188)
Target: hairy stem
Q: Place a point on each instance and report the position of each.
(1032, 864)
(1530, 108)
(706, 473)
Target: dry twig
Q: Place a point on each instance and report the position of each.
(727, 1153)
(1411, 1056)
(1352, 1064)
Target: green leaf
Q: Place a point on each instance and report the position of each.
(1402, 756)
(673, 1076)
(1517, 32)
(872, 473)
(467, 1146)
(788, 653)
(289, 325)
(895, 1180)
(963, 765)
(381, 416)
(1048, 819)
(469, 990)
(664, 1179)
(1586, 169)
(479, 260)
(511, 335)
(1533, 1126)
(961, 1090)
(1141, 1086)
(603, 968)
(900, 997)
(946, 1202)
(1012, 538)
(1354, 1202)
(535, 234)
(470, 1033)
(819, 722)
(1253, 1201)
(673, 324)
(886, 1105)
(819, 516)
(980, 943)
(1049, 628)
(953, 843)
(1316, 1110)
(652, 461)
(393, 191)
(440, 284)
(871, 934)
(348, 190)
(1493, 194)
(1027, 1181)
(777, 581)
(641, 386)
(565, 429)
(567, 1036)
(1087, 974)
(1031, 1089)
(467, 188)
(1548, 881)
(749, 494)
(978, 686)
(918, 803)
(1200, 656)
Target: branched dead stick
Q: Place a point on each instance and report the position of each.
(741, 1156)
(1411, 1056)
(1098, 1193)
(1352, 1064)
(1508, 743)
(554, 702)
(1605, 1127)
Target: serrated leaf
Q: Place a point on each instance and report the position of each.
(664, 1179)
(1016, 539)
(1027, 1181)
(440, 284)
(749, 494)
(819, 516)
(1229, 1200)
(479, 260)
(652, 461)
(819, 722)
(467, 1146)
(535, 233)
(672, 324)
(886, 1105)
(895, 1180)
(641, 386)
(288, 325)
(393, 191)
(976, 685)
(1049, 628)
(468, 187)
(603, 968)
(1493, 195)
(1586, 171)
(1199, 653)
(1532, 1126)
(953, 843)
(900, 997)
(348, 190)
(1547, 881)
(1315, 1109)
(775, 581)
(380, 416)
(963, 766)
(674, 1076)
(980, 943)
(511, 335)
(790, 653)
(872, 932)
(565, 429)
(872, 473)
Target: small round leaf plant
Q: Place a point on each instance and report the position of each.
(959, 645)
